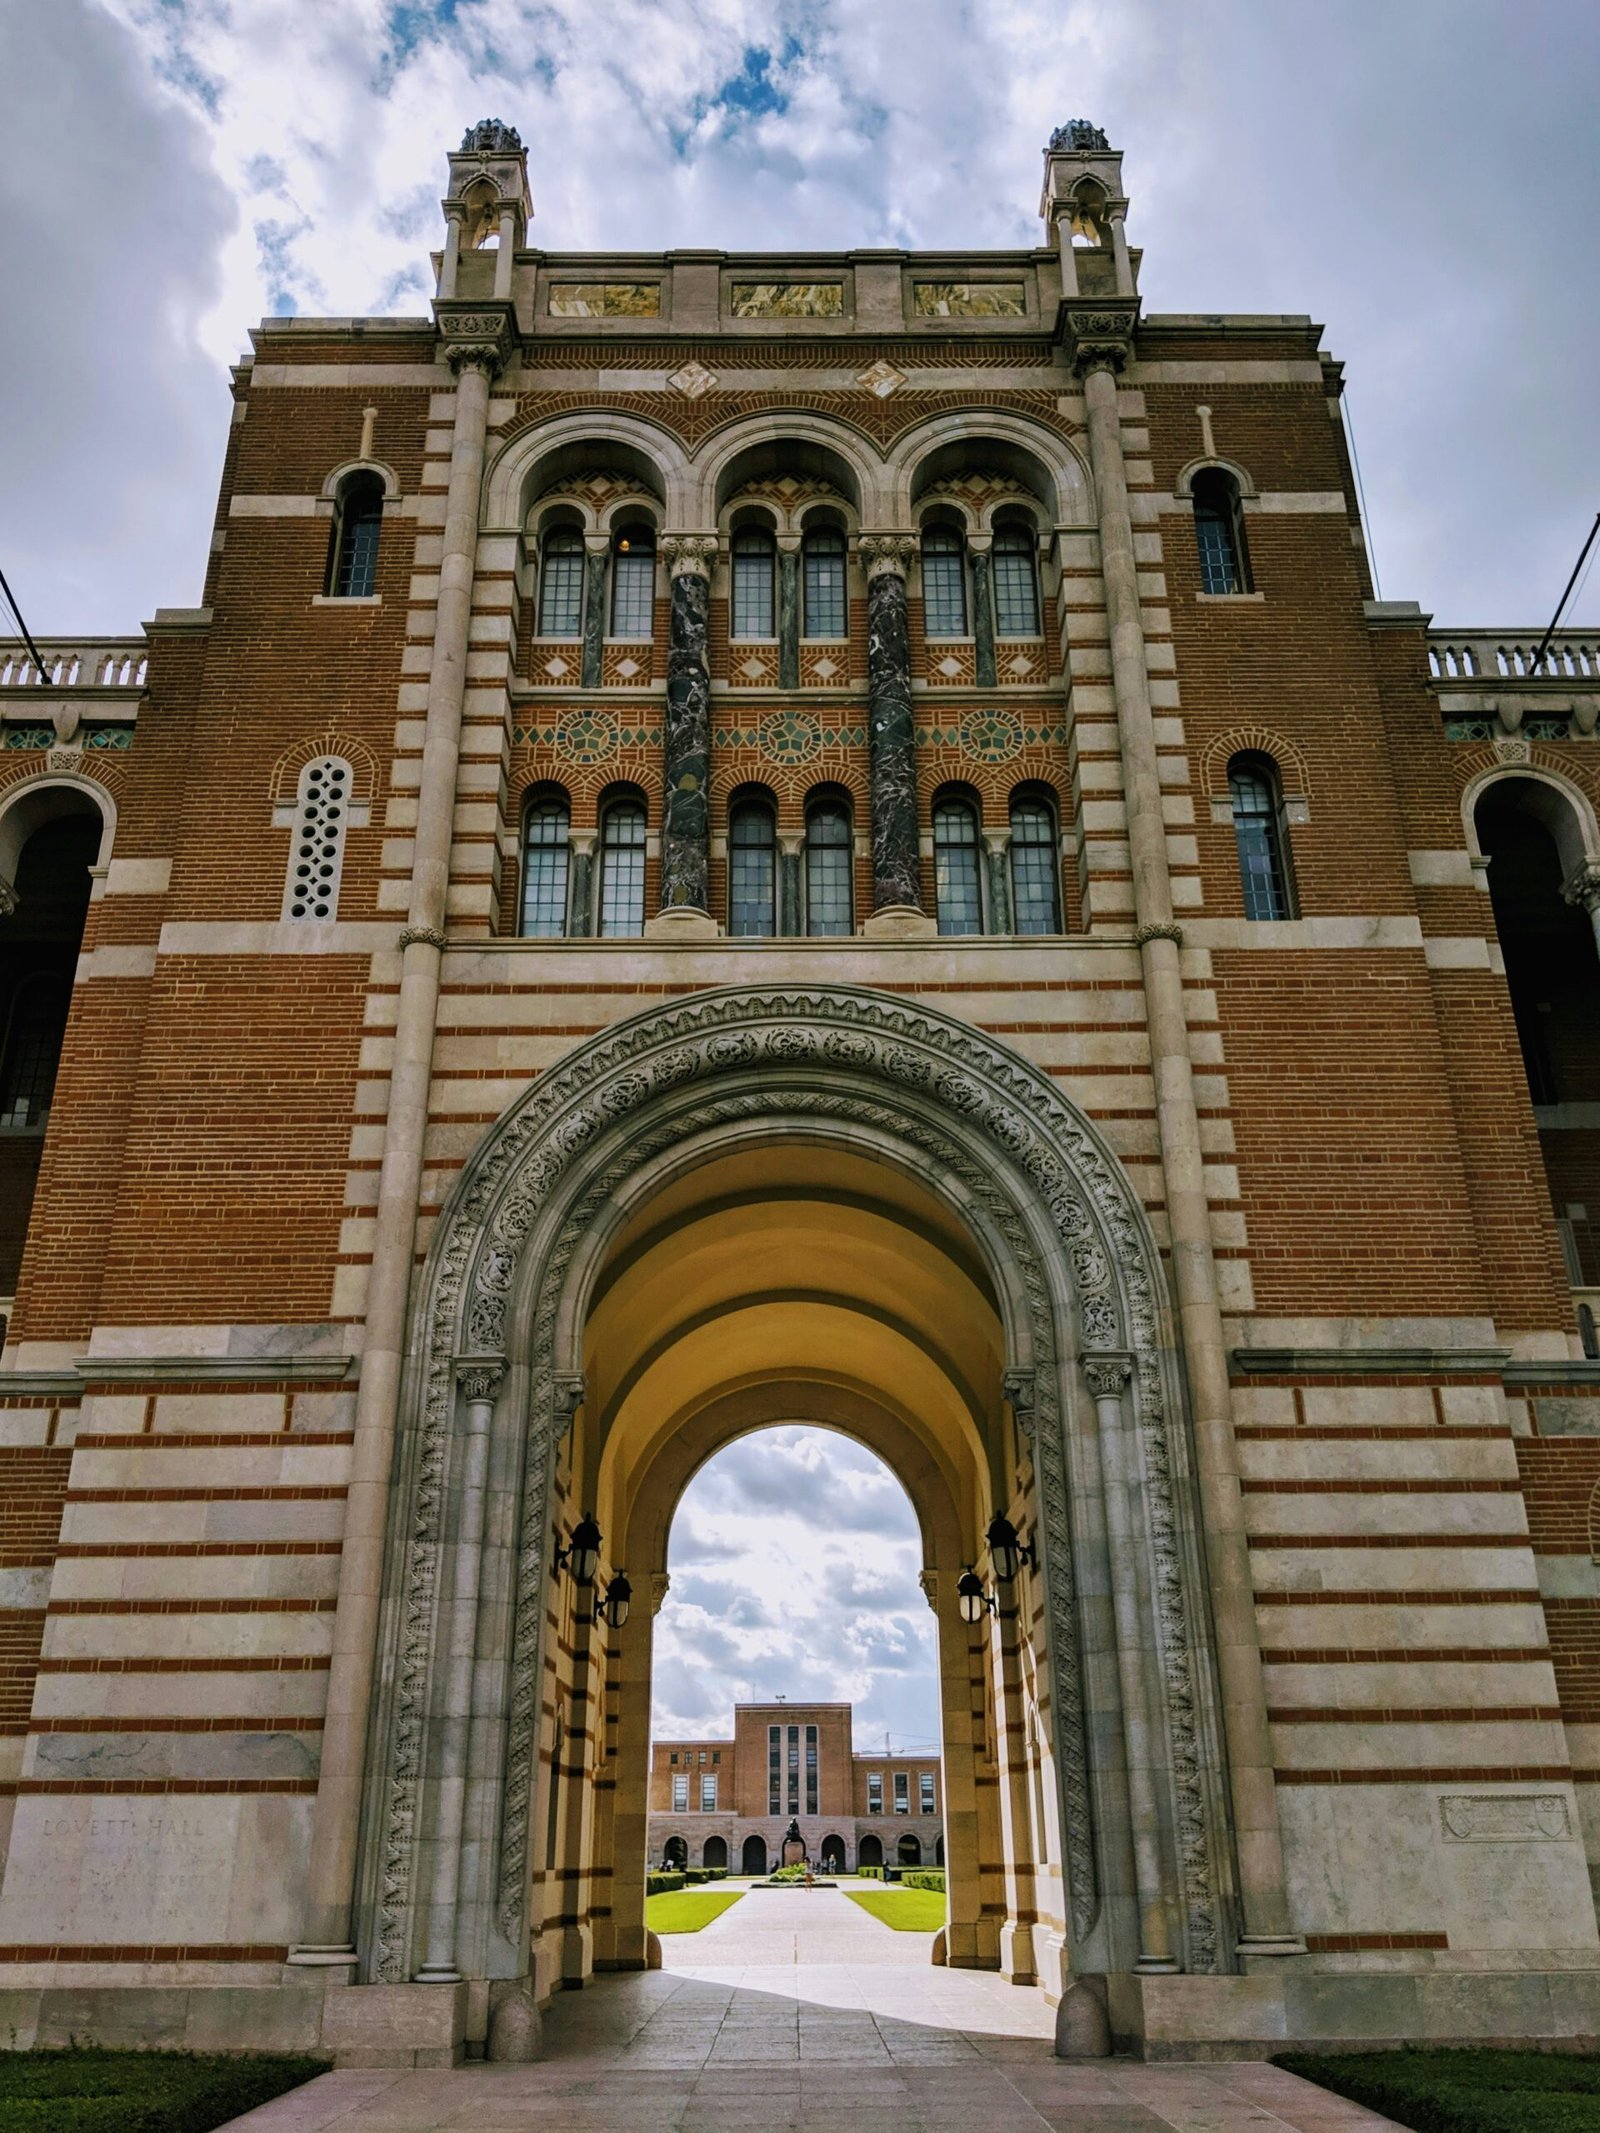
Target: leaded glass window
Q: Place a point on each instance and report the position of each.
(622, 871)
(546, 860)
(753, 553)
(957, 853)
(633, 583)
(34, 1036)
(752, 870)
(1261, 836)
(561, 585)
(944, 584)
(356, 531)
(1035, 875)
(1219, 532)
(829, 864)
(1016, 583)
(824, 598)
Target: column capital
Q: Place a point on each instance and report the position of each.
(688, 554)
(1106, 1371)
(656, 1587)
(1099, 333)
(597, 544)
(887, 554)
(1582, 887)
(475, 336)
(1020, 1389)
(480, 1377)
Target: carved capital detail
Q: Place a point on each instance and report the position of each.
(1021, 1391)
(1106, 1373)
(480, 1380)
(1100, 334)
(887, 553)
(1164, 929)
(422, 936)
(657, 1588)
(566, 1398)
(929, 1581)
(1582, 886)
(688, 554)
(475, 336)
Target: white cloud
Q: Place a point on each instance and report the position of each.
(178, 167)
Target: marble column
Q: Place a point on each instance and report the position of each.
(686, 817)
(997, 858)
(476, 340)
(1582, 890)
(791, 900)
(978, 550)
(788, 610)
(458, 1640)
(580, 898)
(891, 726)
(1101, 340)
(596, 554)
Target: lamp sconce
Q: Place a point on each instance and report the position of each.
(971, 1598)
(581, 1555)
(613, 1609)
(1007, 1553)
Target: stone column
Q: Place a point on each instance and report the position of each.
(1582, 890)
(978, 549)
(1064, 252)
(996, 852)
(1101, 340)
(891, 726)
(1107, 1377)
(686, 819)
(476, 339)
(1119, 249)
(463, 1576)
(580, 899)
(788, 610)
(506, 256)
(596, 553)
(791, 899)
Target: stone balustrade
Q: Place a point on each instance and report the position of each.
(75, 663)
(1497, 656)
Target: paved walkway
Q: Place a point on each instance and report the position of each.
(796, 2013)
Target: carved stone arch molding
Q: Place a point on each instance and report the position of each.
(509, 1274)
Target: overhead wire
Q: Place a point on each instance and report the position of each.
(45, 681)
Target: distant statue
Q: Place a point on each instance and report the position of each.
(491, 137)
(794, 1846)
(1080, 137)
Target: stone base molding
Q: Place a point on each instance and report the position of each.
(900, 922)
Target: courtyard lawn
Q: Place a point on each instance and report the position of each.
(907, 1910)
(682, 1910)
(138, 2092)
(1463, 2092)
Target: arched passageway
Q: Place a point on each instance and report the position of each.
(753, 1859)
(871, 1852)
(675, 1854)
(909, 1852)
(833, 1855)
(715, 1854)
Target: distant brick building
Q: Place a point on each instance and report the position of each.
(743, 839)
(730, 1803)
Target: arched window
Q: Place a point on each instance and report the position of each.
(1219, 532)
(622, 870)
(561, 584)
(753, 553)
(546, 863)
(35, 1030)
(1016, 583)
(1262, 837)
(357, 524)
(824, 599)
(752, 870)
(957, 874)
(944, 583)
(829, 865)
(633, 583)
(1035, 873)
(316, 852)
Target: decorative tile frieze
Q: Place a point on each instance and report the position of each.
(625, 666)
(824, 666)
(786, 299)
(951, 666)
(605, 299)
(970, 299)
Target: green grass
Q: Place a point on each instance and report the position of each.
(138, 2092)
(907, 1910)
(683, 1910)
(1464, 2092)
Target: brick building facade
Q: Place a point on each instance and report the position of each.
(833, 838)
(731, 1802)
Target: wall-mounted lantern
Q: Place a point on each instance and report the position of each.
(614, 1607)
(581, 1555)
(971, 1598)
(1007, 1553)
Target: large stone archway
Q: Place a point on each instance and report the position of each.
(495, 1380)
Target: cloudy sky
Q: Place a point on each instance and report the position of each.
(794, 1560)
(1420, 175)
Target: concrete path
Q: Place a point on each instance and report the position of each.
(796, 2013)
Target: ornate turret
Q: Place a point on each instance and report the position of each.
(486, 209)
(1083, 197)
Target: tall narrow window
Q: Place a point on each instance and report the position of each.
(1035, 875)
(874, 1792)
(622, 870)
(633, 583)
(35, 1031)
(753, 552)
(561, 584)
(1219, 532)
(925, 1784)
(958, 892)
(545, 865)
(794, 1770)
(708, 1792)
(680, 1793)
(752, 870)
(811, 1770)
(316, 855)
(829, 861)
(944, 583)
(1261, 835)
(1016, 583)
(824, 614)
(902, 1792)
(774, 1770)
(357, 524)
